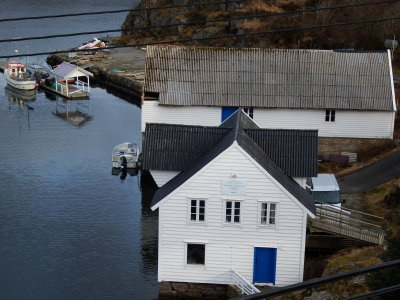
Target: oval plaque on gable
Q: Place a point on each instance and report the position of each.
(233, 186)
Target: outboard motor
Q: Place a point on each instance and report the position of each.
(124, 172)
(124, 162)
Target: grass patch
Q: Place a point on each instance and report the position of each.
(350, 259)
(373, 200)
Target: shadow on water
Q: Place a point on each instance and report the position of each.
(131, 98)
(149, 225)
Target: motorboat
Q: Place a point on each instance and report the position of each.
(125, 156)
(17, 76)
(38, 71)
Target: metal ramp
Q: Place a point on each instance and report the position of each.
(349, 223)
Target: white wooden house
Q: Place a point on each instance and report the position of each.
(231, 206)
(342, 94)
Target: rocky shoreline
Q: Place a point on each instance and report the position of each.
(121, 70)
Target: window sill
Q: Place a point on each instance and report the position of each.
(195, 267)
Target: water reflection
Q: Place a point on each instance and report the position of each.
(75, 112)
(149, 226)
(124, 172)
(19, 101)
(19, 96)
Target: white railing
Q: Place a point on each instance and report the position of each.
(244, 286)
(349, 222)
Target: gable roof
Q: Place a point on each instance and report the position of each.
(66, 70)
(270, 78)
(176, 147)
(237, 134)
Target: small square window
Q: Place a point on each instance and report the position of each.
(196, 254)
(232, 212)
(330, 115)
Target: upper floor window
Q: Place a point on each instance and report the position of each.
(248, 111)
(268, 213)
(232, 212)
(329, 115)
(197, 210)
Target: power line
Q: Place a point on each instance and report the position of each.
(216, 37)
(202, 22)
(116, 11)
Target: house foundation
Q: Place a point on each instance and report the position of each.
(196, 291)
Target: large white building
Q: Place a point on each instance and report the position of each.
(228, 200)
(342, 94)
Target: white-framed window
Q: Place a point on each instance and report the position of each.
(249, 111)
(232, 211)
(196, 254)
(268, 213)
(197, 210)
(330, 115)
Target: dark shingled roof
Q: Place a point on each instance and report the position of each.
(227, 137)
(270, 78)
(176, 147)
(237, 133)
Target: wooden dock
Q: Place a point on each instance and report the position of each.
(73, 92)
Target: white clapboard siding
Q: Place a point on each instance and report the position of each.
(162, 177)
(230, 246)
(184, 115)
(348, 123)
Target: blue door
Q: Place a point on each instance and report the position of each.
(227, 111)
(264, 265)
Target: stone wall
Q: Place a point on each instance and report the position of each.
(328, 146)
(195, 291)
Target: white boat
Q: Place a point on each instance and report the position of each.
(91, 44)
(125, 156)
(17, 76)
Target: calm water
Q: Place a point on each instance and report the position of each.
(68, 228)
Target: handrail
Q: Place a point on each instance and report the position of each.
(351, 222)
(245, 286)
(349, 209)
(317, 281)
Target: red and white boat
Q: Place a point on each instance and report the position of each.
(16, 76)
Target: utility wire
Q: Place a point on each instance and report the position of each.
(213, 38)
(201, 22)
(117, 11)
